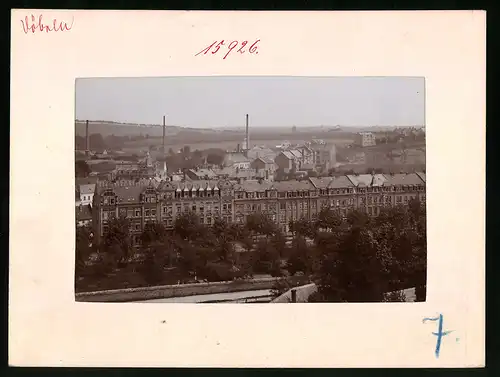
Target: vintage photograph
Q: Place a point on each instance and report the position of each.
(256, 189)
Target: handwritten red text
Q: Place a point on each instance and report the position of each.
(228, 47)
(35, 24)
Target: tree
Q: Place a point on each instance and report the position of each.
(84, 248)
(153, 232)
(188, 226)
(117, 242)
(261, 224)
(299, 259)
(265, 259)
(303, 227)
(215, 159)
(224, 236)
(97, 142)
(352, 272)
(328, 219)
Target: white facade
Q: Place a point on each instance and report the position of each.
(86, 194)
(365, 139)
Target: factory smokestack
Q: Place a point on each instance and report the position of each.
(163, 139)
(247, 135)
(87, 139)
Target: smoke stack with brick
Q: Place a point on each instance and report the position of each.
(163, 138)
(87, 139)
(247, 134)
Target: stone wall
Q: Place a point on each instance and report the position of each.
(167, 291)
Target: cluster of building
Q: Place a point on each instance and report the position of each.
(146, 201)
(244, 184)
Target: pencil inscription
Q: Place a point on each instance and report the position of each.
(440, 333)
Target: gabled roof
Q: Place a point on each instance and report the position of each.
(237, 157)
(253, 186)
(288, 155)
(340, 182)
(403, 179)
(296, 153)
(87, 189)
(361, 180)
(422, 176)
(293, 185)
(265, 160)
(378, 180)
(203, 173)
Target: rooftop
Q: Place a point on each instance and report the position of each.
(203, 173)
(321, 183)
(87, 189)
(403, 179)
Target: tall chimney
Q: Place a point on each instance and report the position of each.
(247, 135)
(163, 139)
(87, 140)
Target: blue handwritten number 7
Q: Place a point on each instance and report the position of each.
(440, 332)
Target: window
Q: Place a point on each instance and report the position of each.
(105, 215)
(229, 207)
(146, 212)
(137, 212)
(193, 207)
(398, 199)
(224, 207)
(282, 205)
(130, 213)
(153, 212)
(137, 226)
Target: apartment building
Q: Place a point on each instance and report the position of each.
(323, 155)
(234, 201)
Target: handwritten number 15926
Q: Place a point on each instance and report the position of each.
(215, 47)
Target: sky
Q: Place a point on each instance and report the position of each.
(270, 101)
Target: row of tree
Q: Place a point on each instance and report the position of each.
(352, 259)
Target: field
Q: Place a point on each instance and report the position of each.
(136, 146)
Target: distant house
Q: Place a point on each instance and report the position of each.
(324, 155)
(364, 139)
(264, 167)
(201, 174)
(263, 152)
(308, 167)
(287, 162)
(236, 160)
(236, 174)
(85, 189)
